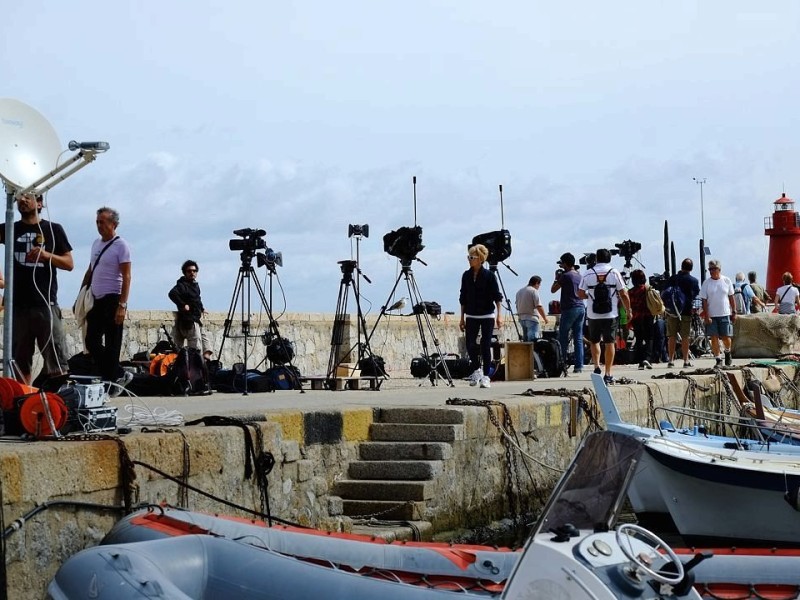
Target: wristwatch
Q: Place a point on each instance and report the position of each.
(123, 304)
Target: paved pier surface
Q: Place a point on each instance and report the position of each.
(399, 390)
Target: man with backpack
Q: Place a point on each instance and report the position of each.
(744, 296)
(604, 287)
(679, 296)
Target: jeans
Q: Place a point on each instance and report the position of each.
(530, 330)
(572, 320)
(480, 355)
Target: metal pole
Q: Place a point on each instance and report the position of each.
(701, 183)
(9, 289)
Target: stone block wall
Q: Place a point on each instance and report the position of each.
(396, 338)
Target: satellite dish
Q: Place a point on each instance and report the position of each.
(29, 146)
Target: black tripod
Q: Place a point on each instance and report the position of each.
(437, 361)
(362, 349)
(506, 299)
(241, 292)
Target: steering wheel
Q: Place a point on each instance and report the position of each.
(656, 543)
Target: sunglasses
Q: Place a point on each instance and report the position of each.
(472, 257)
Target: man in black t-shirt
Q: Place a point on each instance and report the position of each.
(40, 248)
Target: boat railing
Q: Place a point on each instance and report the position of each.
(695, 421)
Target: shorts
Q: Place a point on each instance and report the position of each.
(684, 325)
(719, 327)
(604, 330)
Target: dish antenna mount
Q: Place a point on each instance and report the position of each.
(29, 154)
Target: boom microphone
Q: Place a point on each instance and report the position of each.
(96, 146)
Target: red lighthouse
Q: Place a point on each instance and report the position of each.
(783, 229)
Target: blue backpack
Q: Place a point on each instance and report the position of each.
(674, 300)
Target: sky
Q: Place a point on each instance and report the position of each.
(301, 118)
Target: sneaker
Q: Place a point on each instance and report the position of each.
(485, 382)
(670, 365)
(728, 360)
(597, 370)
(647, 364)
(687, 364)
(577, 371)
(120, 384)
(608, 379)
(641, 366)
(475, 378)
(718, 362)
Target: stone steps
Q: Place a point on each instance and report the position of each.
(383, 489)
(405, 470)
(399, 466)
(415, 432)
(387, 451)
(432, 416)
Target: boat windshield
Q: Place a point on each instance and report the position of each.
(591, 492)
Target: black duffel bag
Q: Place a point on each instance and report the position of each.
(420, 367)
(372, 366)
(434, 309)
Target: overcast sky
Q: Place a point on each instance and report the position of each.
(303, 117)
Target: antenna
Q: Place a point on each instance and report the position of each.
(414, 184)
(502, 215)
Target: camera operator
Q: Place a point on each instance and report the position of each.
(573, 310)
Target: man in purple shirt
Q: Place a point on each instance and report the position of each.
(573, 310)
(110, 274)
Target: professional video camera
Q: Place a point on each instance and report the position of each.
(627, 249)
(498, 243)
(589, 259)
(659, 281)
(404, 243)
(252, 240)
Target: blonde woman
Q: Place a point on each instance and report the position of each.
(481, 310)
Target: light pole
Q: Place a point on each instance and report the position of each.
(701, 183)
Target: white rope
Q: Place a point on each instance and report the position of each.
(141, 415)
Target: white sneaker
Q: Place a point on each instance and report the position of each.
(476, 377)
(485, 382)
(121, 383)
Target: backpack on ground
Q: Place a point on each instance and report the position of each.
(654, 302)
(550, 361)
(189, 372)
(601, 299)
(674, 300)
(283, 377)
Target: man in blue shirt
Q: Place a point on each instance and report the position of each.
(573, 310)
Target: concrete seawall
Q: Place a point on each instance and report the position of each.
(316, 438)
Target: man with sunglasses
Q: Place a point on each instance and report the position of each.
(188, 321)
(719, 310)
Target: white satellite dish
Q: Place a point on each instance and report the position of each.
(29, 146)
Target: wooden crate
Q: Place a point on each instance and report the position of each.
(519, 361)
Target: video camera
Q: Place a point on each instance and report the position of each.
(498, 243)
(627, 249)
(404, 243)
(253, 239)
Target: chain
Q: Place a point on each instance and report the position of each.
(375, 515)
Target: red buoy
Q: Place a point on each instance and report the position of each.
(783, 229)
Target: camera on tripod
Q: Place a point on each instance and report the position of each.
(498, 243)
(404, 243)
(252, 240)
(627, 249)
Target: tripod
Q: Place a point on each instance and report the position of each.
(241, 293)
(336, 358)
(506, 299)
(423, 323)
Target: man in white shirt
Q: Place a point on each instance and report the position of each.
(602, 322)
(719, 310)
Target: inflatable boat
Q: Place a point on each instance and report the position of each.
(577, 550)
